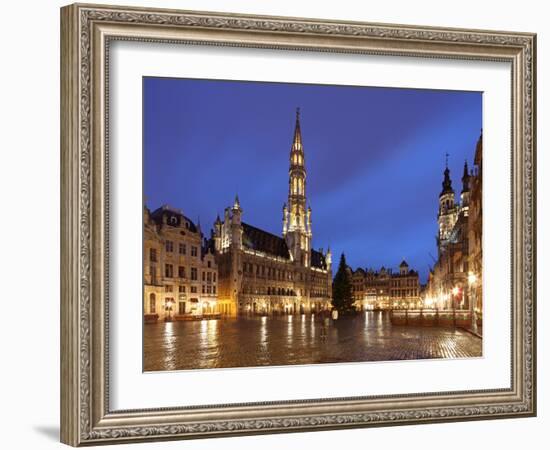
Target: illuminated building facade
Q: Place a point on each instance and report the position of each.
(456, 276)
(386, 289)
(262, 273)
(179, 267)
(475, 231)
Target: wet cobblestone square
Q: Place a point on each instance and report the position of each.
(297, 339)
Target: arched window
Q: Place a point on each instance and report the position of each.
(152, 304)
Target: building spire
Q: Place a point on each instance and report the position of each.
(297, 131)
(447, 184)
(236, 204)
(297, 176)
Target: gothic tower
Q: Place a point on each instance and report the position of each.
(447, 209)
(296, 217)
(465, 194)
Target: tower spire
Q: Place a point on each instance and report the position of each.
(296, 216)
(297, 130)
(447, 184)
(297, 181)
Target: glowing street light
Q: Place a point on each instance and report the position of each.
(168, 307)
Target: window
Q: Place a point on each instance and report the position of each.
(153, 273)
(181, 272)
(153, 255)
(214, 277)
(214, 290)
(181, 289)
(209, 277)
(169, 245)
(194, 274)
(168, 271)
(168, 288)
(204, 276)
(181, 308)
(193, 251)
(182, 249)
(203, 289)
(209, 264)
(193, 289)
(152, 304)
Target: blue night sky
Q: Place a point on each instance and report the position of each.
(374, 158)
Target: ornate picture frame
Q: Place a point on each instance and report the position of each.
(86, 34)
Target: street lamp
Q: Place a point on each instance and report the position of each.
(472, 279)
(168, 307)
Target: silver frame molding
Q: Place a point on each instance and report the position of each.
(86, 32)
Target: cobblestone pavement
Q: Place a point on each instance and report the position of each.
(306, 339)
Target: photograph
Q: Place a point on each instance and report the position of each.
(281, 223)
(296, 224)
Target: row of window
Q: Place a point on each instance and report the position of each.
(268, 272)
(405, 282)
(206, 289)
(181, 289)
(321, 293)
(169, 247)
(404, 293)
(283, 291)
(207, 276)
(182, 273)
(357, 287)
(269, 290)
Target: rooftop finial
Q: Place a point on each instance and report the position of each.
(446, 160)
(297, 131)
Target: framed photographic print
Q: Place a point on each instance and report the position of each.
(276, 225)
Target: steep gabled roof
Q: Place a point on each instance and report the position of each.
(260, 240)
(318, 260)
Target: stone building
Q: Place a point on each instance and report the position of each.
(179, 267)
(385, 289)
(405, 288)
(458, 266)
(262, 273)
(475, 223)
